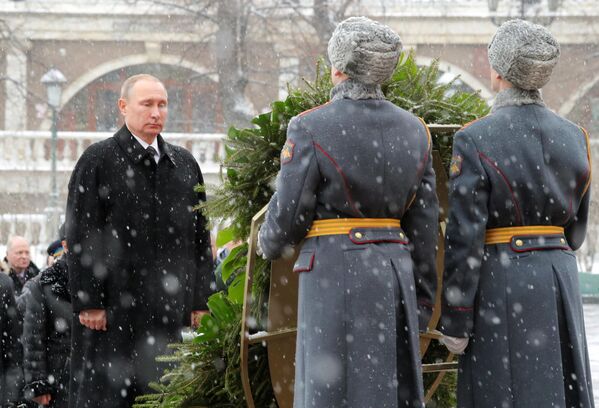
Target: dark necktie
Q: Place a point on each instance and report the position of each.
(152, 152)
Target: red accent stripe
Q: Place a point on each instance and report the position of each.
(306, 269)
(541, 248)
(507, 182)
(422, 164)
(426, 303)
(584, 178)
(345, 183)
(376, 241)
(313, 109)
(461, 309)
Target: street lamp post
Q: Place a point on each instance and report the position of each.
(532, 10)
(53, 80)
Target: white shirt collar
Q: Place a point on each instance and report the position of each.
(154, 145)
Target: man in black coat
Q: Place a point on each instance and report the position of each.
(46, 335)
(140, 258)
(11, 371)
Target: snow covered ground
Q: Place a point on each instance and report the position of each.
(591, 320)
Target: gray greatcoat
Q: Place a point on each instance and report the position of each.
(360, 297)
(139, 251)
(519, 304)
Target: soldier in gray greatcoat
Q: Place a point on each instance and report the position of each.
(519, 203)
(357, 183)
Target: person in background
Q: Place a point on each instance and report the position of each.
(17, 263)
(54, 251)
(46, 335)
(11, 355)
(518, 207)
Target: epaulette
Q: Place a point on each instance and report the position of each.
(428, 133)
(472, 122)
(313, 109)
(588, 142)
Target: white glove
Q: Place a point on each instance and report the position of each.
(259, 250)
(455, 345)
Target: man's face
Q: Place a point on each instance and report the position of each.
(145, 109)
(18, 255)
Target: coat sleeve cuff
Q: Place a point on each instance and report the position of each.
(456, 321)
(82, 302)
(37, 388)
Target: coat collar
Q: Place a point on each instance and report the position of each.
(135, 151)
(352, 89)
(517, 97)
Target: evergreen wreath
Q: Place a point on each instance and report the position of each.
(205, 371)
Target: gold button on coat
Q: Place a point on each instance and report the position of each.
(358, 235)
(563, 241)
(519, 242)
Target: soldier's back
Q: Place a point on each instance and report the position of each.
(371, 156)
(536, 162)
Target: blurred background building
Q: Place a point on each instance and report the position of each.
(223, 62)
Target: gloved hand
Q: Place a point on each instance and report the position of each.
(455, 345)
(259, 250)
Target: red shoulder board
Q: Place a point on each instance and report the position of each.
(471, 123)
(313, 109)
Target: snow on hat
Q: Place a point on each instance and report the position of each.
(364, 50)
(524, 54)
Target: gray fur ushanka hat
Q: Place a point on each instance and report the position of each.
(524, 54)
(364, 50)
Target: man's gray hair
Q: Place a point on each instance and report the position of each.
(132, 80)
(11, 241)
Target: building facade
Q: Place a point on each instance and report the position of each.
(97, 44)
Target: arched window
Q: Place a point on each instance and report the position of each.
(194, 105)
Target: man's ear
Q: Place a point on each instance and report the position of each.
(122, 103)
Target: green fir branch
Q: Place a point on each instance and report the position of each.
(206, 371)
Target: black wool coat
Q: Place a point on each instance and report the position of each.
(11, 354)
(31, 271)
(47, 334)
(139, 251)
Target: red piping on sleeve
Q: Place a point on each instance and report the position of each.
(507, 182)
(306, 269)
(345, 183)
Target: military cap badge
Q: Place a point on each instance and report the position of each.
(287, 152)
(455, 168)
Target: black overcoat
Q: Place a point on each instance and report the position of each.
(361, 294)
(519, 302)
(11, 353)
(138, 250)
(47, 334)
